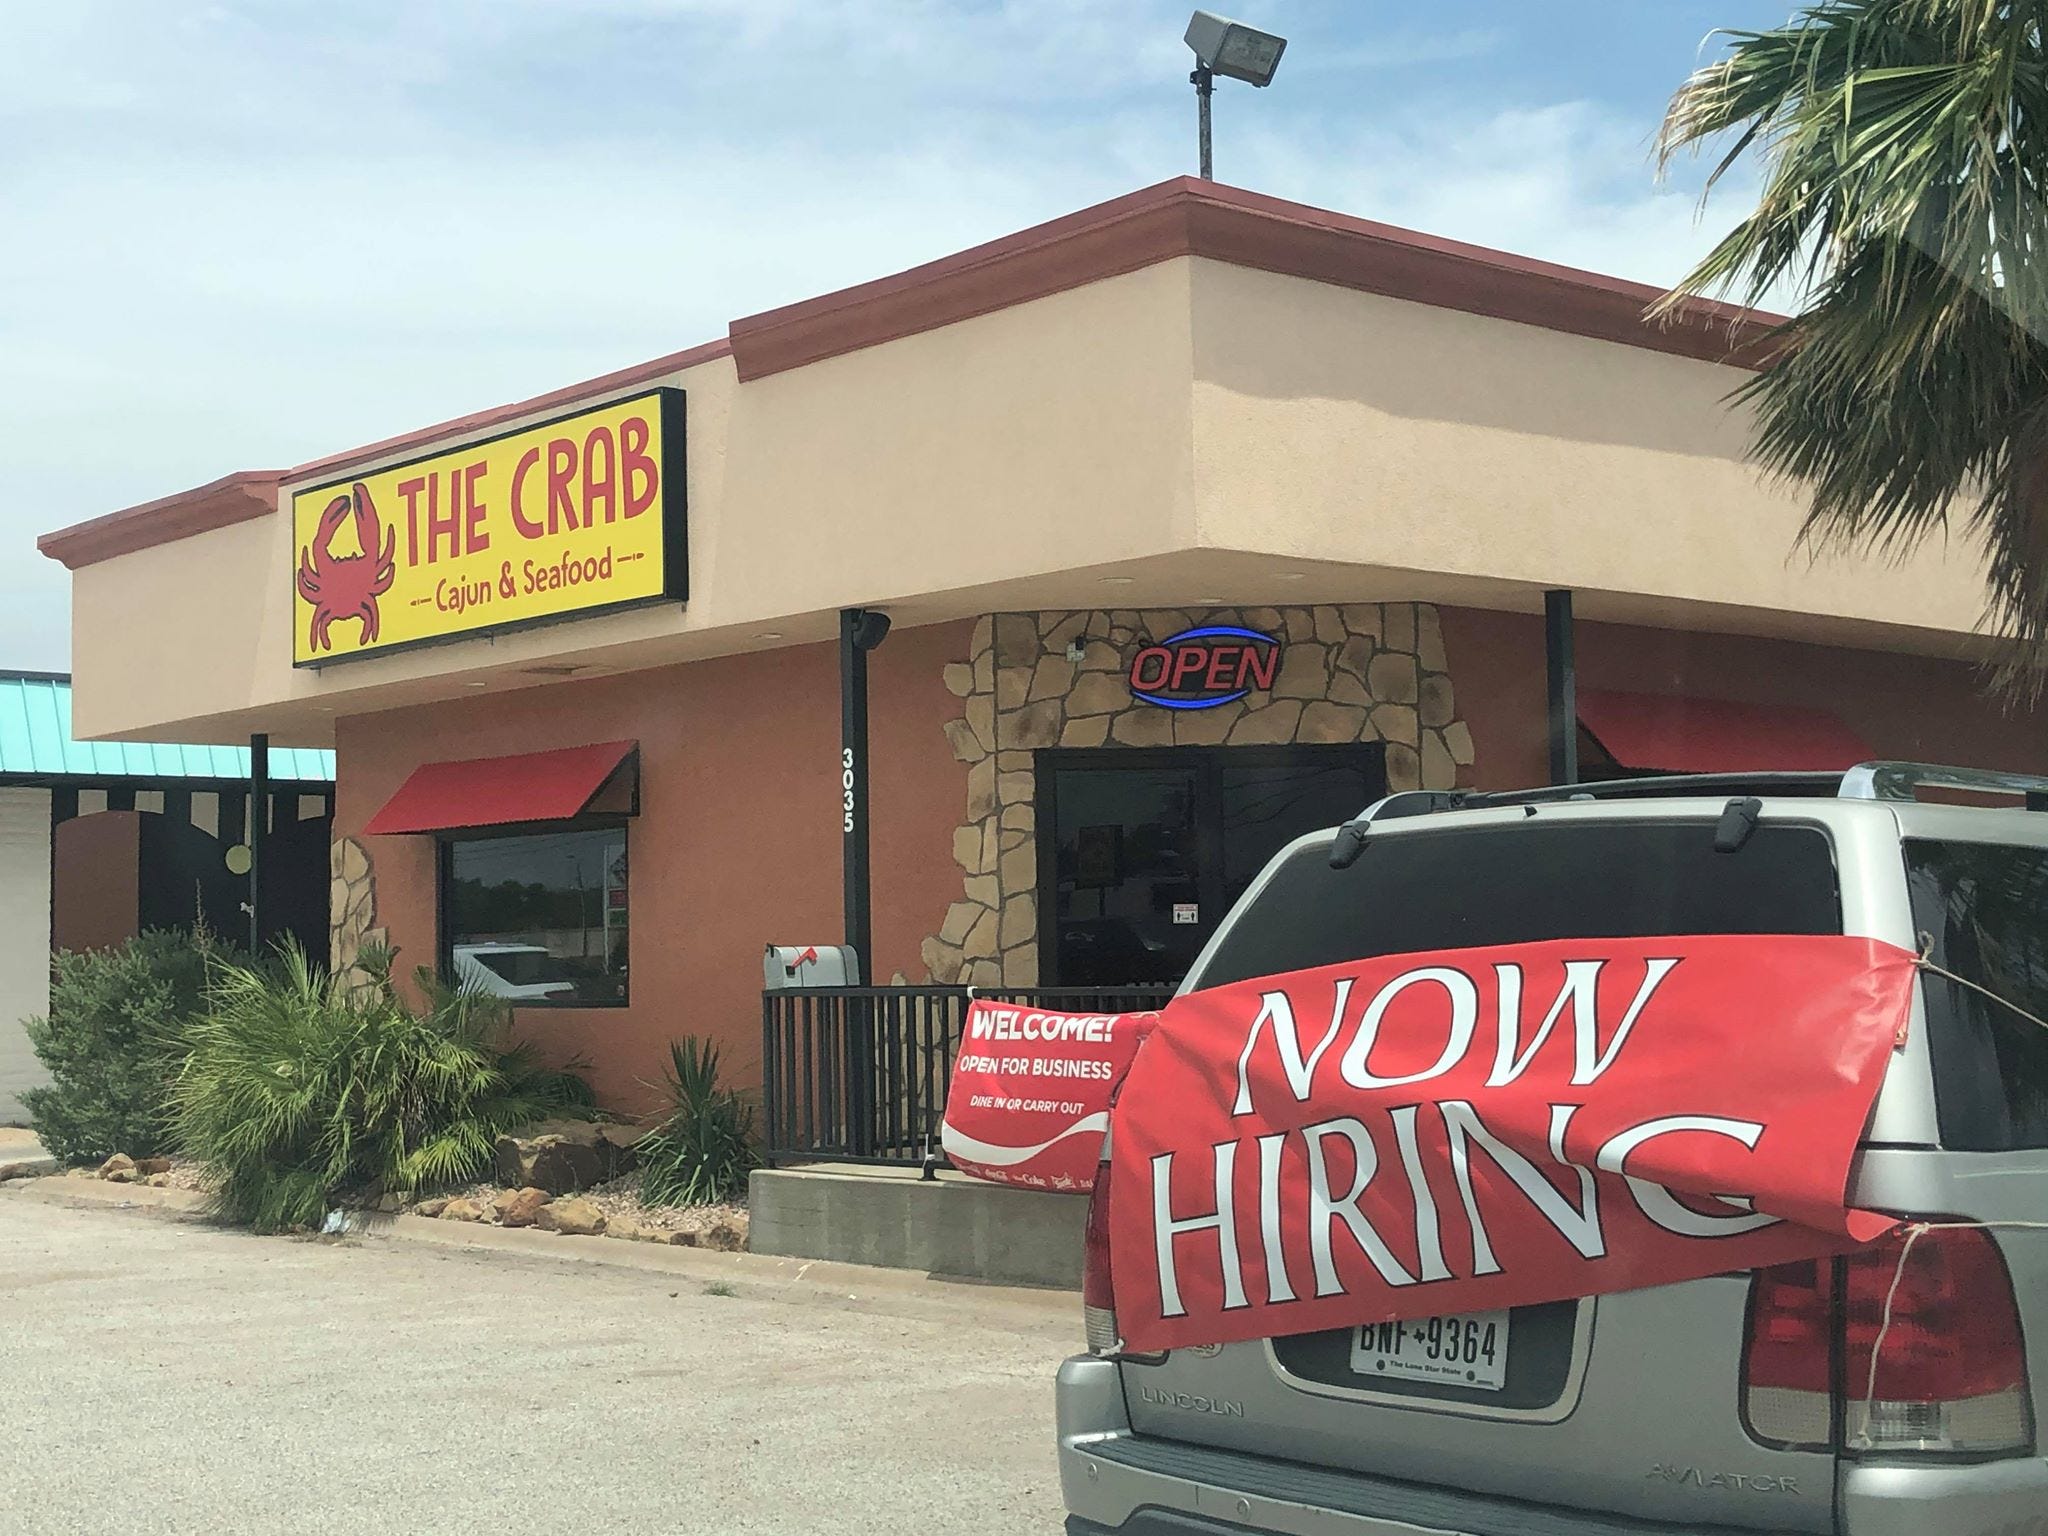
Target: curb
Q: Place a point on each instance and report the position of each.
(759, 1275)
(84, 1191)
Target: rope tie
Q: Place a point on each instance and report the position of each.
(1926, 963)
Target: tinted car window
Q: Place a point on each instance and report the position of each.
(1527, 882)
(1982, 910)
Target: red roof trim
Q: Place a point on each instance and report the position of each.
(1690, 735)
(569, 394)
(237, 498)
(188, 512)
(1184, 217)
(1190, 217)
(500, 791)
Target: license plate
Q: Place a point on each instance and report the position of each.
(1462, 1349)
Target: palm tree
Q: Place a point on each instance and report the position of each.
(1903, 146)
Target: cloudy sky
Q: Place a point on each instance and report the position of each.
(240, 235)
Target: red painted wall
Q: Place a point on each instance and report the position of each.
(1915, 708)
(737, 841)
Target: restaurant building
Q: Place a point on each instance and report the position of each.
(1198, 519)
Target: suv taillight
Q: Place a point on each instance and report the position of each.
(1098, 1307)
(1951, 1373)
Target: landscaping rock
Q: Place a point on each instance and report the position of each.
(24, 1170)
(724, 1236)
(148, 1165)
(571, 1217)
(563, 1157)
(433, 1207)
(635, 1231)
(157, 1180)
(462, 1210)
(519, 1207)
(118, 1169)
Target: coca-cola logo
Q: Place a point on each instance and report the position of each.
(1203, 667)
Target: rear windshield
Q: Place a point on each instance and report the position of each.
(1526, 882)
(1982, 912)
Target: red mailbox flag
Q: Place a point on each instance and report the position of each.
(1486, 1128)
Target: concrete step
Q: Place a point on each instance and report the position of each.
(952, 1226)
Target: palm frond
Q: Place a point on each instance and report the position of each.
(1904, 152)
(300, 1097)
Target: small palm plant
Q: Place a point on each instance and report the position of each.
(298, 1099)
(703, 1150)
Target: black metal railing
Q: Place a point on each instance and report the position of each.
(859, 1074)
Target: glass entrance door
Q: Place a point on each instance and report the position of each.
(1141, 852)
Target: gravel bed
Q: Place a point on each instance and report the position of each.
(184, 1174)
(617, 1199)
(621, 1198)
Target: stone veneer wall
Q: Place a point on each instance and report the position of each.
(351, 910)
(1359, 672)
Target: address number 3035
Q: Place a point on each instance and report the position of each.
(846, 787)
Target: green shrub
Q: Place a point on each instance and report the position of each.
(113, 1040)
(300, 1099)
(703, 1150)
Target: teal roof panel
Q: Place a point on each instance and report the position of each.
(36, 742)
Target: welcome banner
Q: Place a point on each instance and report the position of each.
(1029, 1101)
(1479, 1129)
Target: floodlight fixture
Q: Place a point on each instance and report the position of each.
(1235, 51)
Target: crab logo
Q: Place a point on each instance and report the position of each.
(347, 586)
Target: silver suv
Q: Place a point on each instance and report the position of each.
(1745, 1402)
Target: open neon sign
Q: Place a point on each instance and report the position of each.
(1203, 667)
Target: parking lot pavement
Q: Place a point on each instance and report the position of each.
(161, 1376)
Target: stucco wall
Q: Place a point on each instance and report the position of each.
(1915, 708)
(1340, 425)
(737, 841)
(1015, 442)
(1196, 425)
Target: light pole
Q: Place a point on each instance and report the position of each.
(1235, 51)
(1204, 82)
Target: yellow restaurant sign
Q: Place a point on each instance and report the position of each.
(561, 518)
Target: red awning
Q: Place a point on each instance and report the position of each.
(498, 791)
(1679, 734)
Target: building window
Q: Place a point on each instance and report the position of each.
(538, 918)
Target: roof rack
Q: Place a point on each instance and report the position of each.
(1898, 781)
(1668, 786)
(1866, 781)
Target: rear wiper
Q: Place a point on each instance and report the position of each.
(1348, 844)
(1738, 820)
